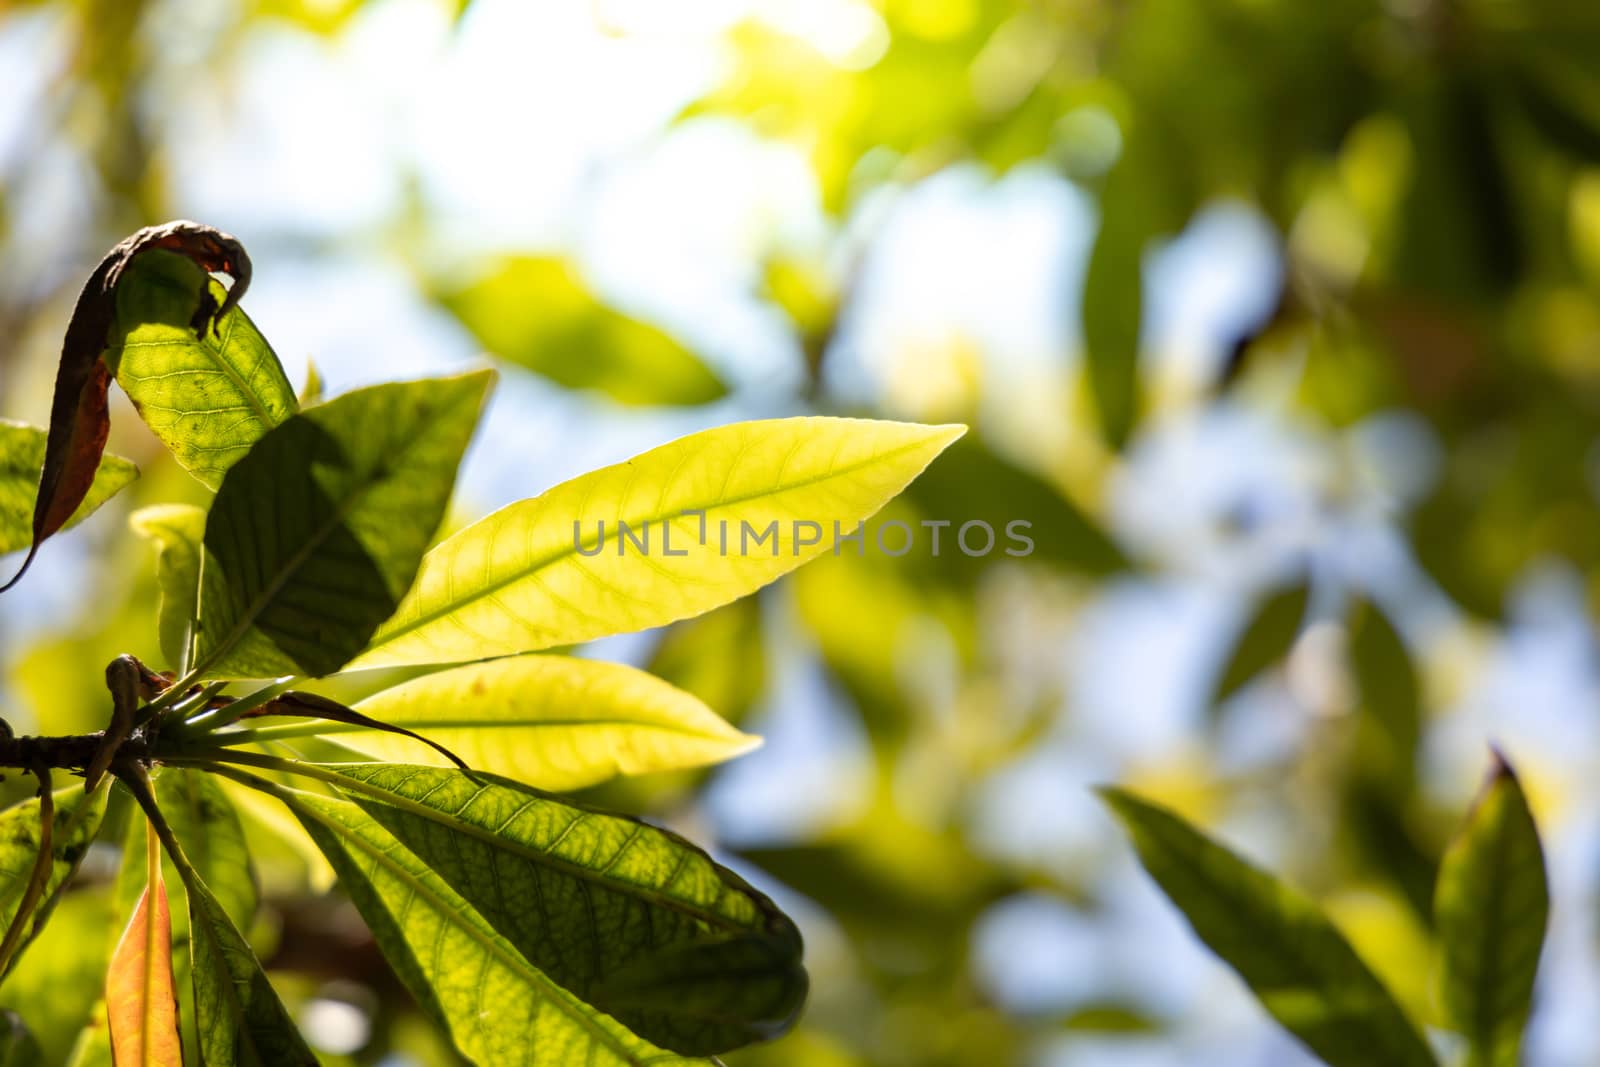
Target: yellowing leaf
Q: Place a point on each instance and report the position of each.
(555, 722)
(720, 514)
(177, 530)
(141, 1004)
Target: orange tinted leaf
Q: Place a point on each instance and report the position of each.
(141, 1003)
(79, 416)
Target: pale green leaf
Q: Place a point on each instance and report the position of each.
(555, 722)
(538, 574)
(538, 314)
(315, 535)
(1492, 903)
(208, 398)
(620, 910)
(1291, 956)
(498, 1008)
(177, 531)
(21, 460)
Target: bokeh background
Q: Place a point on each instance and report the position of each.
(1280, 322)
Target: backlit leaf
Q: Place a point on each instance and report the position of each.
(1291, 956)
(315, 535)
(538, 314)
(79, 416)
(208, 397)
(21, 457)
(539, 573)
(622, 911)
(555, 722)
(177, 530)
(19, 847)
(497, 1007)
(1492, 905)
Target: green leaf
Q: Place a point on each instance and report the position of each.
(1390, 698)
(239, 1018)
(21, 458)
(315, 535)
(1266, 639)
(555, 722)
(76, 822)
(614, 909)
(973, 482)
(18, 1047)
(538, 574)
(497, 1007)
(1287, 951)
(177, 531)
(538, 314)
(208, 398)
(1491, 907)
(206, 824)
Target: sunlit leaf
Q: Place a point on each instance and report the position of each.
(538, 574)
(57, 983)
(551, 721)
(1492, 905)
(208, 395)
(538, 314)
(21, 458)
(1266, 639)
(497, 1007)
(316, 534)
(141, 1002)
(623, 911)
(177, 530)
(76, 822)
(1295, 961)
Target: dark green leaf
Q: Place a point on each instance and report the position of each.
(620, 910)
(316, 535)
(1266, 638)
(972, 481)
(1295, 961)
(1492, 904)
(498, 1008)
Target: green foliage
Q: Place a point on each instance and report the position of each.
(1492, 905)
(208, 398)
(535, 930)
(21, 456)
(1266, 639)
(1293, 959)
(536, 314)
(316, 535)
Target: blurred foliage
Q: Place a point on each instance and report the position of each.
(1430, 170)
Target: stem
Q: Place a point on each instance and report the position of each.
(240, 708)
(70, 752)
(40, 878)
